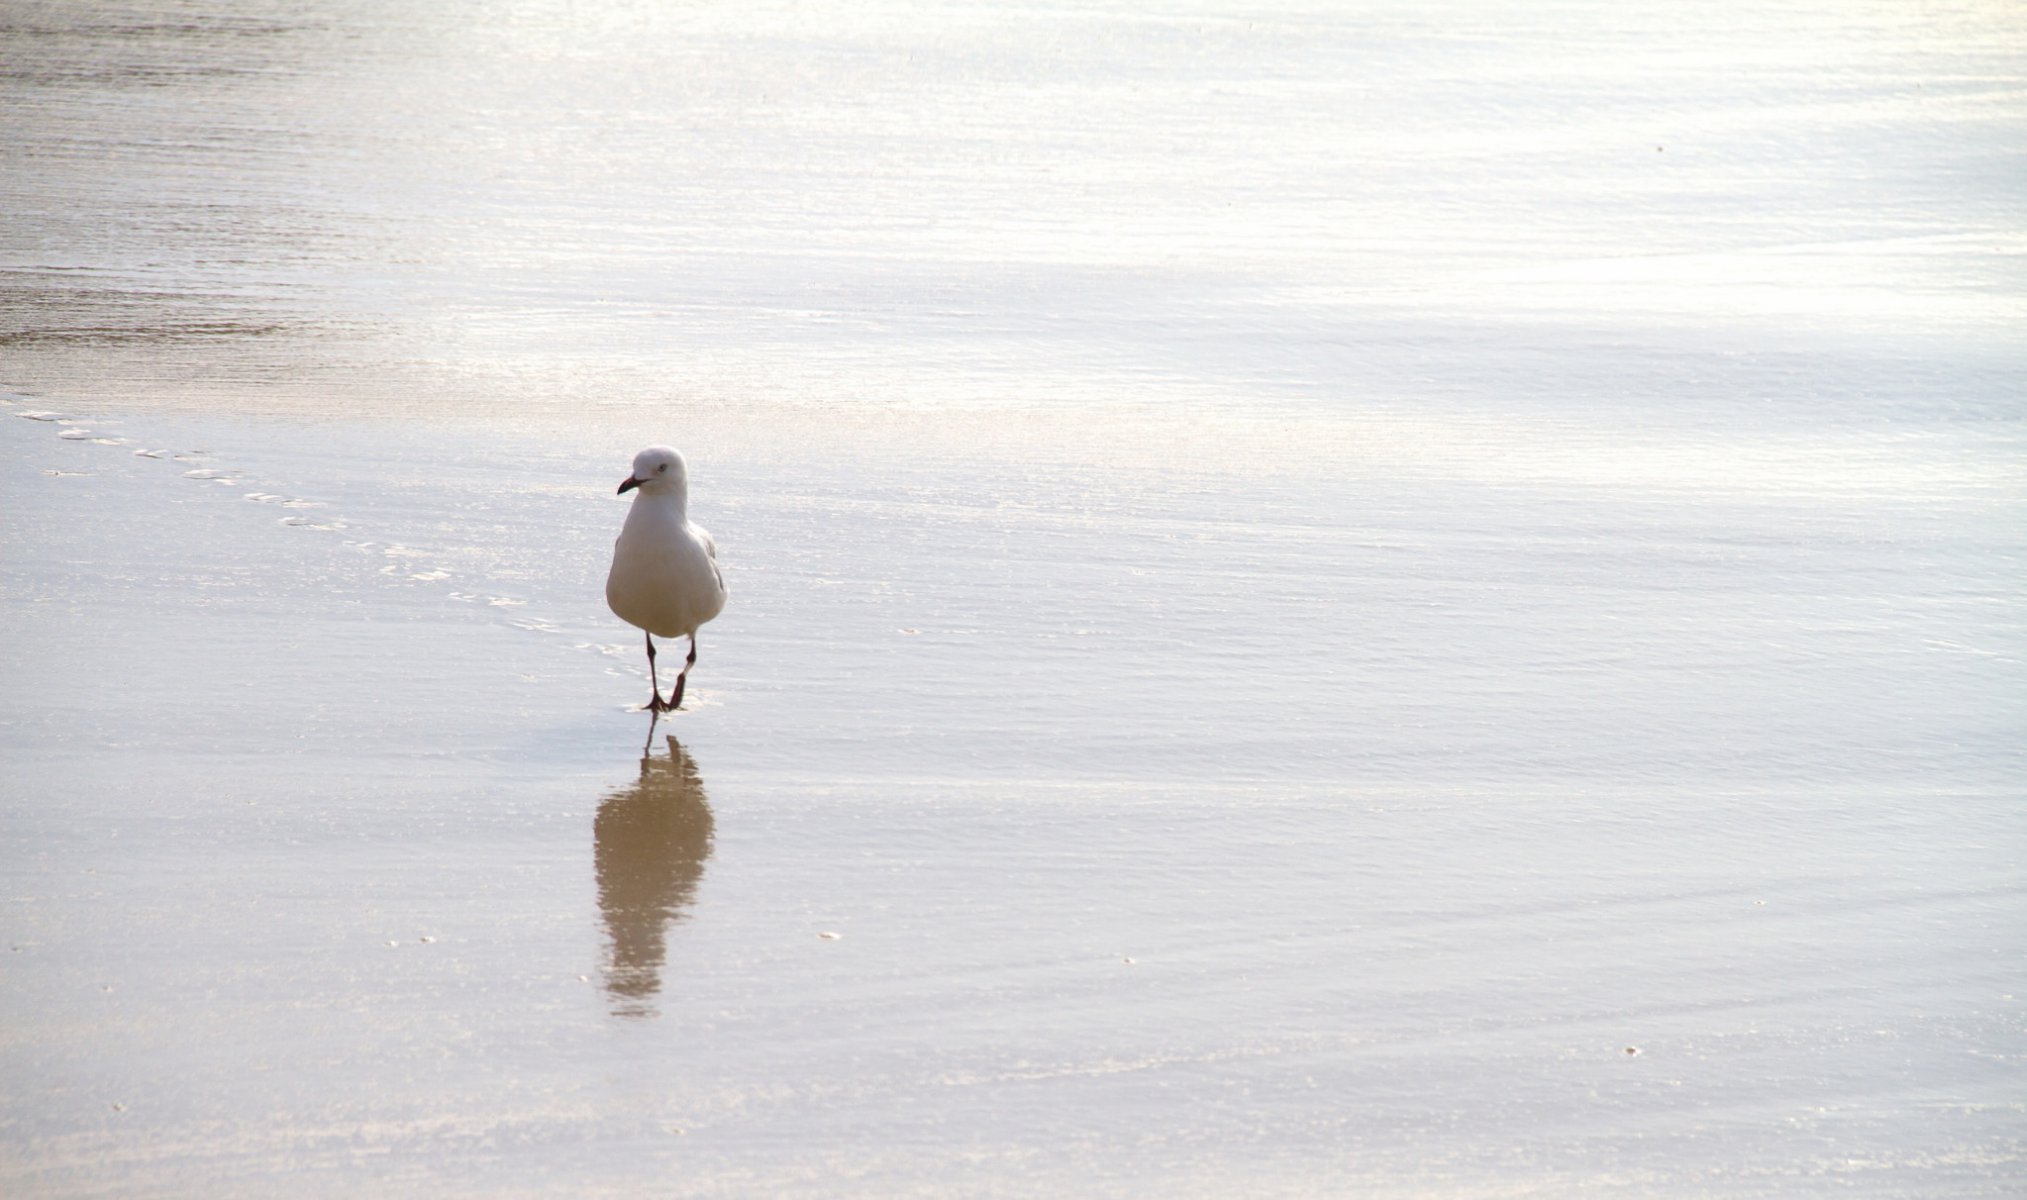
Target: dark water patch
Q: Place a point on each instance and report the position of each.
(175, 332)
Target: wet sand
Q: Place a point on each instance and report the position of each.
(1459, 637)
(337, 864)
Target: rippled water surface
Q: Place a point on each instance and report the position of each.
(1393, 599)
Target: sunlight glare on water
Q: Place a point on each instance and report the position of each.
(1398, 599)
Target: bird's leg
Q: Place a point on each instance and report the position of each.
(683, 676)
(655, 705)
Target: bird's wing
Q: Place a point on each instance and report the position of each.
(711, 551)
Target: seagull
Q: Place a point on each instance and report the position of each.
(664, 576)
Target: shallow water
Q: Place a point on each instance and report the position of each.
(1422, 601)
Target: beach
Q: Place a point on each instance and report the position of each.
(1399, 601)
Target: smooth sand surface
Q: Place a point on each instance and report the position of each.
(335, 864)
(1398, 601)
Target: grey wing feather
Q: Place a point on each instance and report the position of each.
(711, 550)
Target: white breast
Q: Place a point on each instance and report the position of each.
(664, 575)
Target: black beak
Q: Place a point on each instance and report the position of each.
(630, 484)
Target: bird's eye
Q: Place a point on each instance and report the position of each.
(660, 469)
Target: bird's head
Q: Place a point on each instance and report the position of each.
(658, 470)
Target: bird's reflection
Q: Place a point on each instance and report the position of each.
(652, 839)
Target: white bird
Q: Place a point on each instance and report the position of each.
(664, 575)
